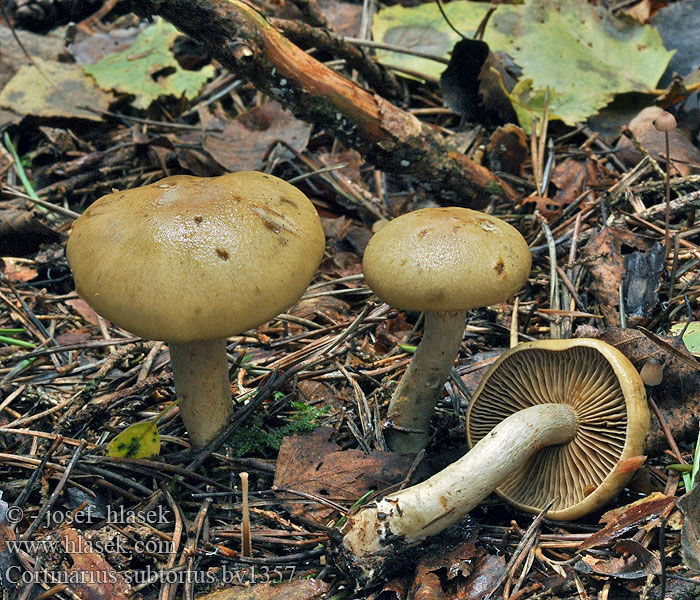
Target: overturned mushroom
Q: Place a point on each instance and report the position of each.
(191, 261)
(443, 261)
(550, 422)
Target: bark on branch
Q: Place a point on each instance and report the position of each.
(242, 40)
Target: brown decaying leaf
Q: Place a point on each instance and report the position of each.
(94, 577)
(43, 46)
(686, 358)
(573, 177)
(620, 520)
(465, 573)
(606, 264)
(16, 271)
(316, 465)
(690, 534)
(92, 48)
(21, 232)
(641, 11)
(681, 148)
(245, 140)
(83, 309)
(508, 150)
(635, 561)
(678, 396)
(330, 306)
(345, 17)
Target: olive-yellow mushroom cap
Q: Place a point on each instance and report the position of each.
(446, 259)
(190, 258)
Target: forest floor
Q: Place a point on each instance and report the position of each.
(311, 387)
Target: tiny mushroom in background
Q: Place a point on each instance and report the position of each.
(443, 261)
(193, 260)
(666, 122)
(652, 372)
(550, 422)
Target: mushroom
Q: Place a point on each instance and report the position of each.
(549, 423)
(666, 122)
(652, 372)
(443, 261)
(193, 260)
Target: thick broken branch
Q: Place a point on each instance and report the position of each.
(377, 77)
(394, 140)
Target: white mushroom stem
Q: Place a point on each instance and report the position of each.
(200, 370)
(414, 399)
(409, 516)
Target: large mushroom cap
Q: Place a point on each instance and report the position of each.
(190, 258)
(446, 259)
(608, 396)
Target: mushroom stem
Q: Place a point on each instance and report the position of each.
(425, 509)
(200, 370)
(414, 399)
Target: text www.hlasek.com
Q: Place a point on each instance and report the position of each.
(116, 544)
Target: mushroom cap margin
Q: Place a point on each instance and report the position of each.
(596, 484)
(446, 259)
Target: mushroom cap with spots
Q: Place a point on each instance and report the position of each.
(607, 394)
(446, 259)
(190, 258)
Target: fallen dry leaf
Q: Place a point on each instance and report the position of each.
(91, 576)
(244, 141)
(678, 396)
(621, 520)
(606, 263)
(487, 574)
(16, 270)
(315, 465)
(464, 572)
(634, 561)
(508, 150)
(21, 232)
(54, 90)
(690, 533)
(345, 17)
(83, 309)
(640, 12)
(573, 177)
(680, 147)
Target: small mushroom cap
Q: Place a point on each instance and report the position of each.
(604, 389)
(194, 258)
(446, 259)
(665, 121)
(652, 372)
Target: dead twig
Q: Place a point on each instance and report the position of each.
(392, 139)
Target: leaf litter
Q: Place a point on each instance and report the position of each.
(85, 386)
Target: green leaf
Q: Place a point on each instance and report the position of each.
(422, 29)
(140, 440)
(580, 52)
(148, 69)
(577, 51)
(691, 337)
(50, 89)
